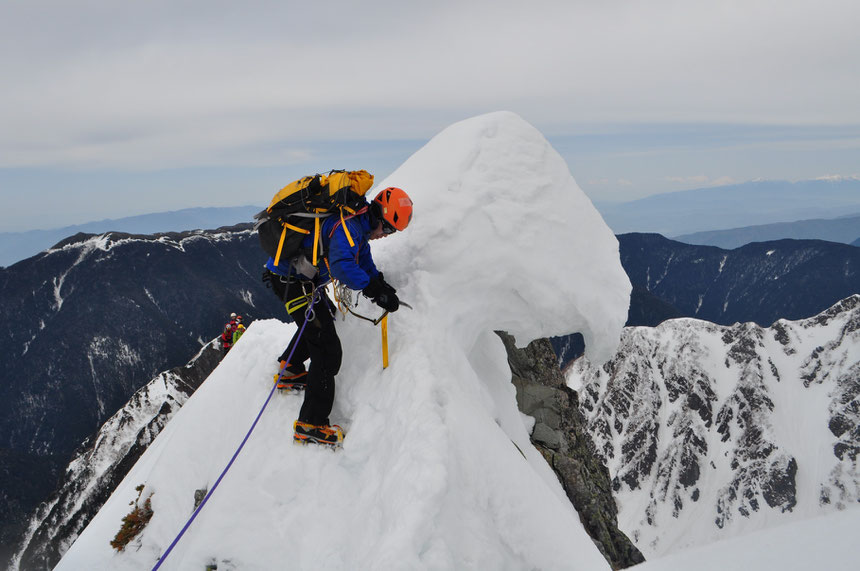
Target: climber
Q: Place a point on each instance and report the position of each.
(227, 338)
(347, 259)
(240, 329)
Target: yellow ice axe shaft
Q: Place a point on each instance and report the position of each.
(384, 325)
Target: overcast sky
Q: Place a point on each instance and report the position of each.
(110, 108)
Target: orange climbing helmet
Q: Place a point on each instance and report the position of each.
(394, 207)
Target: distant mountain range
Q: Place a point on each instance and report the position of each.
(760, 282)
(92, 320)
(16, 246)
(845, 230)
(734, 206)
(726, 216)
(691, 215)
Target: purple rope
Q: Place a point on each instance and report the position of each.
(235, 454)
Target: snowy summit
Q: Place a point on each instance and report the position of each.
(437, 470)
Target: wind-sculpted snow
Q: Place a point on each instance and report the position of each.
(503, 238)
(437, 471)
(713, 431)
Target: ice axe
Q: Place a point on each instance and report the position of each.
(381, 320)
(384, 327)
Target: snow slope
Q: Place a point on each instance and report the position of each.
(825, 542)
(431, 474)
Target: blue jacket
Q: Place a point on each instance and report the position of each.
(351, 265)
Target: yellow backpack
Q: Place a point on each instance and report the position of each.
(297, 210)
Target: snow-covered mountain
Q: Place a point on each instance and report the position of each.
(437, 470)
(92, 320)
(713, 431)
(104, 459)
(16, 246)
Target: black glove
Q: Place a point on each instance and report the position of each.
(374, 289)
(387, 286)
(267, 277)
(390, 302)
(382, 294)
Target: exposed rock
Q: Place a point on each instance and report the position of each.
(559, 434)
(199, 496)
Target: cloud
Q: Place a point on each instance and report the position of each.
(697, 179)
(155, 84)
(838, 177)
(607, 182)
(722, 181)
(701, 180)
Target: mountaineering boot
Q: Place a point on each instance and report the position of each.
(291, 378)
(312, 434)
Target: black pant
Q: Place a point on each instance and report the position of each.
(319, 343)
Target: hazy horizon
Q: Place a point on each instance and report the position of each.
(116, 110)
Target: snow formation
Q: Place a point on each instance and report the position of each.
(437, 470)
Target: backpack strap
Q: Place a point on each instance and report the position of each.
(287, 225)
(346, 229)
(316, 240)
(342, 222)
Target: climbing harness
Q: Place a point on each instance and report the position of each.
(308, 317)
(305, 299)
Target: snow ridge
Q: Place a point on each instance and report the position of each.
(437, 470)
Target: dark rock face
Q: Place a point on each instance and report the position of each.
(97, 317)
(18, 496)
(104, 459)
(559, 434)
(761, 282)
(707, 425)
